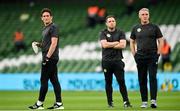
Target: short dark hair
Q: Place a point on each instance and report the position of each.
(46, 10)
(110, 16)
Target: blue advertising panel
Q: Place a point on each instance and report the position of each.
(84, 81)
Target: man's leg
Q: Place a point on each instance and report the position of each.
(142, 77)
(43, 89)
(57, 88)
(44, 82)
(119, 74)
(55, 82)
(152, 68)
(108, 74)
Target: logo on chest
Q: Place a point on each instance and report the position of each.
(139, 30)
(108, 35)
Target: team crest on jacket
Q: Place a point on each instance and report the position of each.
(139, 30)
(108, 35)
(105, 70)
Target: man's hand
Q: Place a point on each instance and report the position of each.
(121, 44)
(132, 46)
(45, 61)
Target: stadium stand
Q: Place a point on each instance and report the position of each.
(79, 47)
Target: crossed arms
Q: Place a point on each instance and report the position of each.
(121, 44)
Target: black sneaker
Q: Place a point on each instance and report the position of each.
(35, 106)
(56, 106)
(110, 105)
(127, 104)
(153, 104)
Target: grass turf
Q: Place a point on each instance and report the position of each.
(85, 100)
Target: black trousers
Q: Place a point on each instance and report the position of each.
(145, 65)
(116, 68)
(49, 71)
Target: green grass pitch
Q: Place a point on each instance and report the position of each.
(85, 100)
